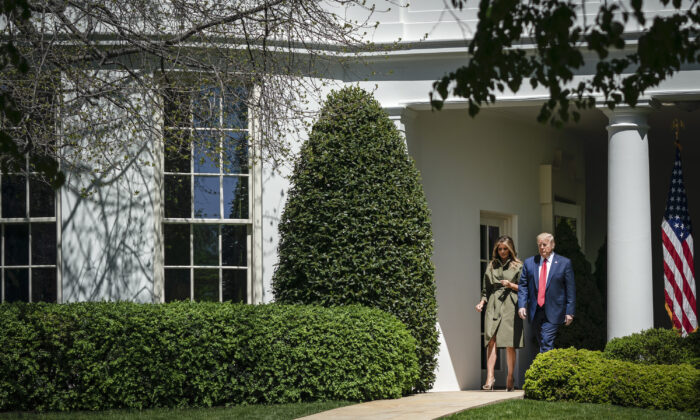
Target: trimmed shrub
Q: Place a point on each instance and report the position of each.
(692, 344)
(587, 376)
(588, 331)
(96, 356)
(652, 346)
(356, 226)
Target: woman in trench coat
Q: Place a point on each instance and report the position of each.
(499, 293)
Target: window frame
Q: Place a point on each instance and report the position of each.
(252, 223)
(30, 221)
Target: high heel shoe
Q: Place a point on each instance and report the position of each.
(509, 385)
(489, 385)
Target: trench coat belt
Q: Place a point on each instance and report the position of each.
(500, 295)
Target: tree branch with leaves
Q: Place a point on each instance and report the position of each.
(560, 36)
(89, 58)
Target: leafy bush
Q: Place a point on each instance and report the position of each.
(653, 346)
(692, 344)
(95, 356)
(588, 331)
(356, 226)
(587, 376)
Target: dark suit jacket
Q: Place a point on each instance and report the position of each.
(560, 295)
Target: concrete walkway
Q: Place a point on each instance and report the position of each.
(430, 405)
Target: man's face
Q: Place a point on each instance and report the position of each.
(545, 246)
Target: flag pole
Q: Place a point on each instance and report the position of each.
(676, 126)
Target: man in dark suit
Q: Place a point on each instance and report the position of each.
(547, 292)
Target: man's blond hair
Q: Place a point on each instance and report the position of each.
(545, 236)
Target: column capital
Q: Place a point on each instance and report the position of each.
(627, 118)
(400, 114)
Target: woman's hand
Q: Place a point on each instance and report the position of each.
(479, 306)
(506, 283)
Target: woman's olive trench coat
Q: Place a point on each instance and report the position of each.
(501, 319)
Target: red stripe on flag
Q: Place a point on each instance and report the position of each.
(687, 289)
(676, 289)
(669, 300)
(688, 254)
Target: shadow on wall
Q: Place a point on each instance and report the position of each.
(108, 232)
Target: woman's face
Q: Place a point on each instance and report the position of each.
(503, 251)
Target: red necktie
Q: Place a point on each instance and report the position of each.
(543, 283)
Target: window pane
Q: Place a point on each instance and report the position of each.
(206, 197)
(206, 285)
(44, 285)
(235, 153)
(234, 286)
(177, 284)
(177, 150)
(206, 108)
(17, 285)
(14, 196)
(177, 108)
(206, 152)
(41, 199)
(494, 233)
(177, 196)
(17, 244)
(43, 243)
(176, 241)
(236, 197)
(206, 244)
(235, 112)
(234, 245)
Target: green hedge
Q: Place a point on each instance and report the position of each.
(655, 346)
(94, 356)
(587, 376)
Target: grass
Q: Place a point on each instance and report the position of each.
(530, 409)
(253, 412)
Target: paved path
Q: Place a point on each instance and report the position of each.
(427, 406)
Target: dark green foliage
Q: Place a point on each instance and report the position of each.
(356, 226)
(601, 274)
(96, 356)
(692, 344)
(654, 346)
(587, 376)
(588, 331)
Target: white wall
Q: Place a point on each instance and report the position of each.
(437, 20)
(108, 233)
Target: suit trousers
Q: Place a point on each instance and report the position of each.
(545, 331)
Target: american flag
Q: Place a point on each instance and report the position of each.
(679, 268)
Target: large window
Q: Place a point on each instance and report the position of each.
(207, 226)
(28, 239)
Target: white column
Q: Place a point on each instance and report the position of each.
(630, 298)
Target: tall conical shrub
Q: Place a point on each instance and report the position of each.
(356, 226)
(589, 330)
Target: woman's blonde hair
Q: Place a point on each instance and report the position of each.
(508, 242)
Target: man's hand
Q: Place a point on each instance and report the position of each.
(523, 313)
(568, 319)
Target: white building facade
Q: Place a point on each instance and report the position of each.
(188, 229)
